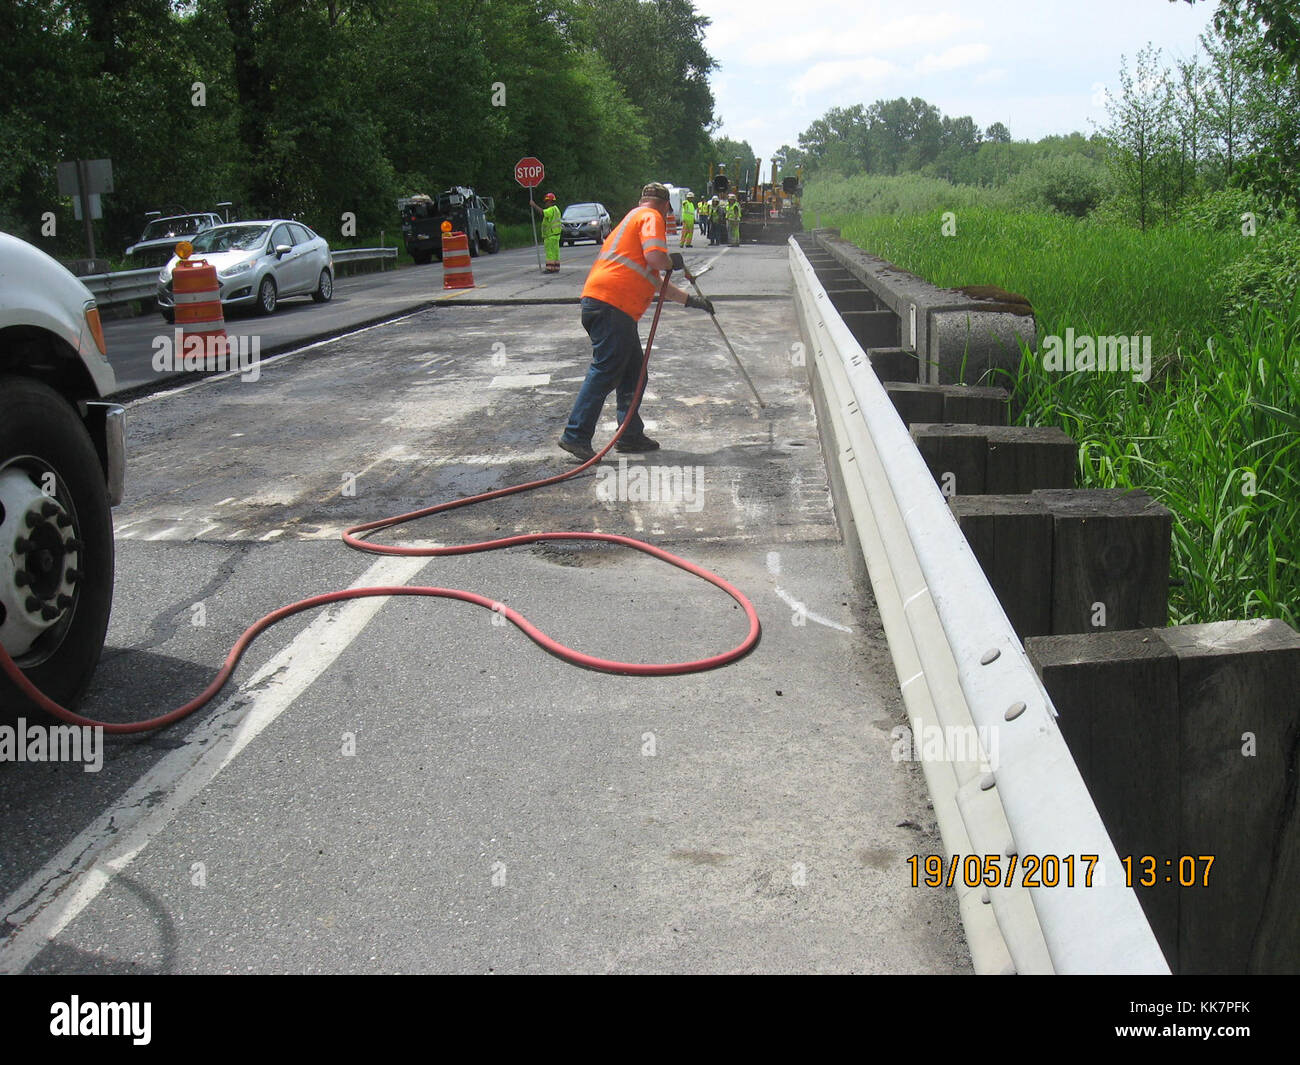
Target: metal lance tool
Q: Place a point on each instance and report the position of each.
(739, 365)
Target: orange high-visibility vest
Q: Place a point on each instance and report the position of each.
(620, 276)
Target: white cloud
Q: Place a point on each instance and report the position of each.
(842, 73)
(867, 35)
(959, 55)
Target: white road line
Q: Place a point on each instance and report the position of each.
(55, 895)
(264, 363)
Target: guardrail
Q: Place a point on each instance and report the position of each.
(1014, 792)
(123, 286)
(355, 255)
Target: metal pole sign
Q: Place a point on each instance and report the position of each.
(529, 173)
(84, 178)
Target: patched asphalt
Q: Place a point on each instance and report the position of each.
(442, 795)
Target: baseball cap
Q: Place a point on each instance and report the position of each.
(654, 191)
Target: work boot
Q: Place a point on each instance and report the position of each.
(637, 443)
(581, 452)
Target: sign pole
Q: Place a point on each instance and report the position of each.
(532, 218)
(529, 172)
(83, 182)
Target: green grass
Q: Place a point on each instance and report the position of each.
(1214, 435)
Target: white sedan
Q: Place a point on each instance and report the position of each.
(258, 264)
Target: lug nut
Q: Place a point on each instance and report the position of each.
(49, 509)
(72, 544)
(33, 519)
(49, 612)
(62, 521)
(33, 604)
(22, 577)
(22, 545)
(73, 574)
(64, 601)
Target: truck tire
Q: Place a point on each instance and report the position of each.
(493, 243)
(44, 445)
(473, 245)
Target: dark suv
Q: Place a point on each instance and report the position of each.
(584, 221)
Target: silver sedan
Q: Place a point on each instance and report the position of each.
(258, 264)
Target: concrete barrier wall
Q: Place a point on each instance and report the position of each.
(957, 337)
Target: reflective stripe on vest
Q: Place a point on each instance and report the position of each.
(609, 252)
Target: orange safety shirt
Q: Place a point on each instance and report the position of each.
(620, 276)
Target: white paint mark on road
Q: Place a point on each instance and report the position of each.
(794, 604)
(70, 881)
(521, 380)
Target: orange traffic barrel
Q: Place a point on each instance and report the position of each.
(456, 271)
(198, 305)
(672, 224)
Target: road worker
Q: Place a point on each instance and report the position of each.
(550, 231)
(733, 219)
(688, 222)
(623, 280)
(717, 222)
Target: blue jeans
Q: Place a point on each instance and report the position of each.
(616, 358)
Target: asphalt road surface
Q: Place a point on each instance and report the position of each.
(402, 785)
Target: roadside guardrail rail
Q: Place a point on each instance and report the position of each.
(124, 286)
(1011, 790)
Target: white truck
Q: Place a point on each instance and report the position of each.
(62, 461)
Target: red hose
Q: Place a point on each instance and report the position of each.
(352, 537)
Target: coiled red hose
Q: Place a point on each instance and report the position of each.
(353, 538)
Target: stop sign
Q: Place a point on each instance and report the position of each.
(529, 172)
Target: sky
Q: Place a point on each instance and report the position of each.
(1037, 67)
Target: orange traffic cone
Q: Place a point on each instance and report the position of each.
(456, 270)
(198, 307)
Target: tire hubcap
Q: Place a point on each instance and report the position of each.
(39, 553)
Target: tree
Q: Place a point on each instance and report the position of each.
(998, 134)
(1264, 38)
(1140, 132)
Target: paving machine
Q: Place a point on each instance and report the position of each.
(769, 213)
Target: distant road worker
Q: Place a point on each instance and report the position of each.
(733, 219)
(550, 231)
(623, 280)
(688, 222)
(717, 222)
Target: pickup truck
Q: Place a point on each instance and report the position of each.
(422, 218)
(62, 461)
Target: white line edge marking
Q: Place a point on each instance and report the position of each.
(65, 885)
(263, 363)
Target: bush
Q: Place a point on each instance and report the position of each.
(1070, 184)
(1268, 275)
(1221, 210)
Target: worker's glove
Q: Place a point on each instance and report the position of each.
(678, 262)
(700, 303)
